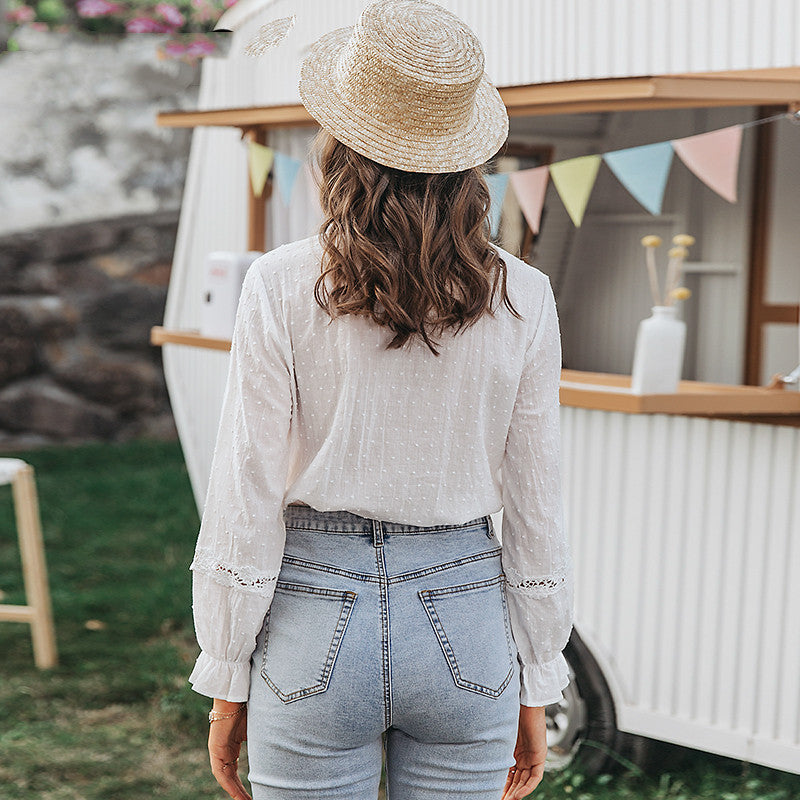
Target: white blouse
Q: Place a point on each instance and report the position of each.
(321, 412)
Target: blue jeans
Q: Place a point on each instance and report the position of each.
(384, 636)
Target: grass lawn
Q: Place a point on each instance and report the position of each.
(117, 720)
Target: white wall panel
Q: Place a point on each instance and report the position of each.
(542, 41)
(213, 217)
(783, 247)
(696, 524)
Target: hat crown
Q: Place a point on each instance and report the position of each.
(412, 60)
(422, 40)
(406, 87)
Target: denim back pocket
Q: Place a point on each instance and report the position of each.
(305, 628)
(471, 623)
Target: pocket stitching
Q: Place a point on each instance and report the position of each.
(427, 597)
(348, 600)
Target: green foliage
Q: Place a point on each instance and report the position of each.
(116, 718)
(51, 12)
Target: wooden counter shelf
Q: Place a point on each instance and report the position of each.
(607, 392)
(159, 336)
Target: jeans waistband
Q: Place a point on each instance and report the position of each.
(308, 518)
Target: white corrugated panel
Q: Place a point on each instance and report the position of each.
(686, 538)
(536, 41)
(214, 217)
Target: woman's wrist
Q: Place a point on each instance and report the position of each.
(226, 706)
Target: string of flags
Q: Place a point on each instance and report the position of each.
(713, 157)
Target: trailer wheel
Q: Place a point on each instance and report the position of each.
(582, 728)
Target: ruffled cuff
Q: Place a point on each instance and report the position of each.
(225, 680)
(541, 684)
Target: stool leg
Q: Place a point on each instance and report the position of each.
(34, 569)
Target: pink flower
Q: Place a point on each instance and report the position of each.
(144, 25)
(200, 48)
(229, 3)
(95, 8)
(174, 49)
(170, 15)
(21, 15)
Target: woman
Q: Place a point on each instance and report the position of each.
(393, 382)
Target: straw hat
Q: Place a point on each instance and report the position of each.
(406, 87)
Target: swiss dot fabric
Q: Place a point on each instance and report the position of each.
(319, 411)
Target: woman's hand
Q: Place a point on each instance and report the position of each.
(225, 737)
(529, 754)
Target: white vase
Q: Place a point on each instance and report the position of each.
(658, 357)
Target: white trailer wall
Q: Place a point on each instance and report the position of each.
(540, 41)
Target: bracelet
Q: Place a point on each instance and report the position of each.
(213, 716)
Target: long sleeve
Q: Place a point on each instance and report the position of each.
(242, 533)
(536, 558)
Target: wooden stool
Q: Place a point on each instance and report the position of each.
(37, 613)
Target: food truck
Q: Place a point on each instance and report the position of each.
(682, 508)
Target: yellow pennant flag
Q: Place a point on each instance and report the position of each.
(574, 180)
(260, 160)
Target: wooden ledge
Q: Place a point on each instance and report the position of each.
(160, 336)
(747, 88)
(606, 392)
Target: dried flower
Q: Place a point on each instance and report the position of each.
(677, 254)
(681, 293)
(651, 241)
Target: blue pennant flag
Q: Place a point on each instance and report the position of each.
(498, 183)
(643, 171)
(285, 170)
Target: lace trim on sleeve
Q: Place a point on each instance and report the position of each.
(536, 587)
(245, 578)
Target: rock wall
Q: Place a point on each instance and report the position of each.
(90, 191)
(76, 307)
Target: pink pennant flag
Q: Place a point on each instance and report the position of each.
(714, 158)
(530, 186)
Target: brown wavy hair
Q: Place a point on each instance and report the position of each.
(410, 250)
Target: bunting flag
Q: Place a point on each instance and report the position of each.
(714, 158)
(574, 180)
(530, 186)
(286, 172)
(259, 160)
(498, 183)
(643, 171)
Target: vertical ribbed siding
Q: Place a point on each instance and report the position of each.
(213, 218)
(686, 538)
(547, 40)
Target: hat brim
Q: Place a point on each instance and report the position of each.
(451, 151)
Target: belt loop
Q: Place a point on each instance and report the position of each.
(377, 533)
(491, 526)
